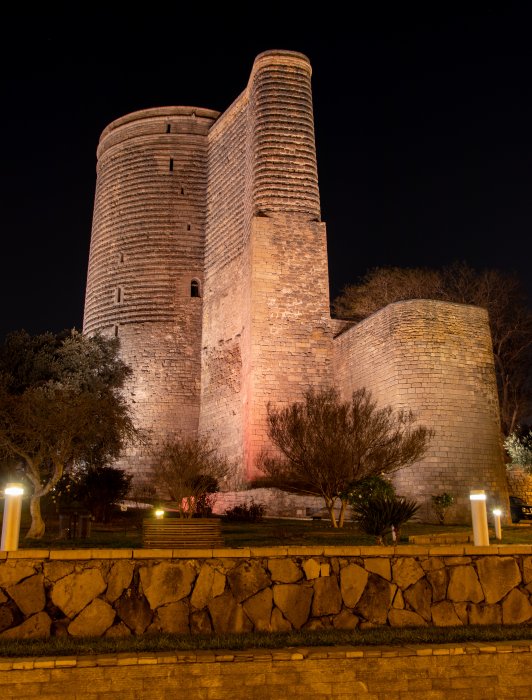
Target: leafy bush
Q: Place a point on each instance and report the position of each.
(96, 488)
(379, 514)
(520, 449)
(440, 504)
(244, 513)
(368, 488)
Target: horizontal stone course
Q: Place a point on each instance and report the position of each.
(416, 672)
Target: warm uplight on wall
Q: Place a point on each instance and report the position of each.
(11, 520)
(479, 516)
(497, 512)
(159, 513)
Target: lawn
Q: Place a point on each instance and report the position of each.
(125, 532)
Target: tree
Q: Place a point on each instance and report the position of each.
(61, 405)
(520, 450)
(187, 469)
(500, 293)
(96, 487)
(327, 444)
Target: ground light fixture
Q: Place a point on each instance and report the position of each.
(479, 517)
(497, 512)
(159, 513)
(11, 520)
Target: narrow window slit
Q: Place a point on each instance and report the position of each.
(119, 295)
(182, 190)
(171, 165)
(168, 128)
(188, 227)
(194, 288)
(115, 331)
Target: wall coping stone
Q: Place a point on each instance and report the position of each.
(250, 655)
(281, 551)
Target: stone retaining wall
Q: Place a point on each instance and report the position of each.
(124, 592)
(467, 671)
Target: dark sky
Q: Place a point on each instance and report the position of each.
(423, 127)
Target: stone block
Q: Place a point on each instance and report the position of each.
(92, 621)
(294, 602)
(74, 591)
(353, 580)
(327, 598)
(497, 575)
(29, 594)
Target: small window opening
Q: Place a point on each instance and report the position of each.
(194, 288)
(121, 257)
(168, 128)
(119, 295)
(171, 165)
(188, 227)
(182, 190)
(115, 330)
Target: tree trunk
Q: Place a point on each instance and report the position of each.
(330, 507)
(342, 513)
(37, 527)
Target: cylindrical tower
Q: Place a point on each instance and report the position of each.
(145, 271)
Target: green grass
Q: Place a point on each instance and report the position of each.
(126, 533)
(381, 636)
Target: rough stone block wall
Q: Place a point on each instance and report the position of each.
(266, 312)
(436, 359)
(519, 482)
(147, 247)
(275, 589)
(291, 340)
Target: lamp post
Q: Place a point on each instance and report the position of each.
(479, 516)
(11, 521)
(497, 512)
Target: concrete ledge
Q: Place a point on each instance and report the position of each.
(406, 550)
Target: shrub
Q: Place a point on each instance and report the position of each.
(379, 514)
(440, 504)
(368, 488)
(244, 513)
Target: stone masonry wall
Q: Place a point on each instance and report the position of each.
(463, 671)
(436, 359)
(519, 482)
(122, 593)
(147, 247)
(266, 312)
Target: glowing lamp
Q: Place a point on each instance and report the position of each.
(497, 512)
(11, 520)
(13, 490)
(479, 517)
(159, 513)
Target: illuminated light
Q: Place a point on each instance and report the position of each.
(477, 496)
(159, 513)
(497, 511)
(14, 490)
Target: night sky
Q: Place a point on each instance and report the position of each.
(423, 128)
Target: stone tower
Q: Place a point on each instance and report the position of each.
(146, 265)
(209, 262)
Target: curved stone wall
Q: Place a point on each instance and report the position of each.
(147, 248)
(435, 359)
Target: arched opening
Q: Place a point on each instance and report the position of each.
(195, 288)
